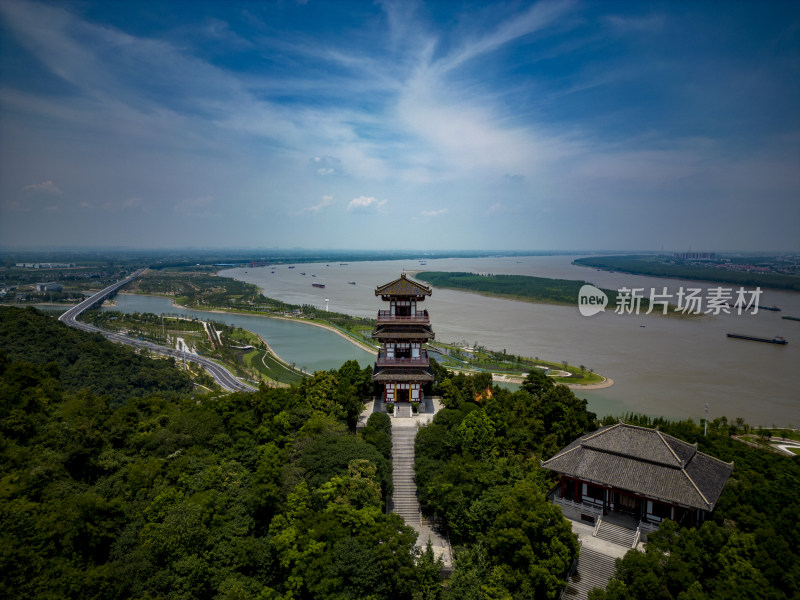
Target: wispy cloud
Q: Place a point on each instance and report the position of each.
(132, 203)
(501, 110)
(363, 203)
(45, 187)
(326, 201)
(434, 213)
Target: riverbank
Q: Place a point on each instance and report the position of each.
(331, 328)
(606, 383)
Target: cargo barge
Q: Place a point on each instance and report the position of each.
(776, 340)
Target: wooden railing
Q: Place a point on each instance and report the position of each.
(580, 507)
(386, 316)
(422, 361)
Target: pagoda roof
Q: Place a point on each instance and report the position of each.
(646, 462)
(402, 374)
(403, 286)
(403, 332)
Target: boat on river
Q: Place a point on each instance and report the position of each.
(776, 340)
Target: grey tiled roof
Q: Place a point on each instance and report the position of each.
(411, 331)
(411, 374)
(403, 286)
(646, 462)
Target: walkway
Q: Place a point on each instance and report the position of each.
(404, 500)
(601, 544)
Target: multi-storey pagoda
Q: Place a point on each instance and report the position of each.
(403, 366)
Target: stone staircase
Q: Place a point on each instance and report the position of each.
(594, 570)
(404, 496)
(404, 412)
(615, 534)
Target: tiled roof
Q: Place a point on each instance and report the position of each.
(647, 462)
(403, 332)
(403, 287)
(390, 374)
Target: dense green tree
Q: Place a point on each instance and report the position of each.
(85, 361)
(378, 432)
(747, 550)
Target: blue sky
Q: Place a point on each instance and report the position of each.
(441, 125)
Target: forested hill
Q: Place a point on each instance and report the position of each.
(517, 287)
(264, 495)
(82, 360)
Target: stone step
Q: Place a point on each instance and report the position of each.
(616, 534)
(404, 501)
(594, 570)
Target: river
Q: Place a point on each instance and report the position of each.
(661, 366)
(310, 348)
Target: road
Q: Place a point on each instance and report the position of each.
(221, 375)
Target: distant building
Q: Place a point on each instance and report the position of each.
(695, 255)
(50, 286)
(45, 265)
(640, 472)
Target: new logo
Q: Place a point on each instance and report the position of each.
(591, 300)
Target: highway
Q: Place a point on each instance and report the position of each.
(221, 375)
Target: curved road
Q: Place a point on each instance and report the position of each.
(221, 375)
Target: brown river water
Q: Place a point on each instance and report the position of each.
(660, 366)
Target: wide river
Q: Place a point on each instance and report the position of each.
(660, 366)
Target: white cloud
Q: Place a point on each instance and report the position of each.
(365, 203)
(326, 201)
(324, 172)
(46, 187)
(434, 213)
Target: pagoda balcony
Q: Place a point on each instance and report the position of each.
(386, 316)
(422, 361)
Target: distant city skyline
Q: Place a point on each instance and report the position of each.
(551, 125)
